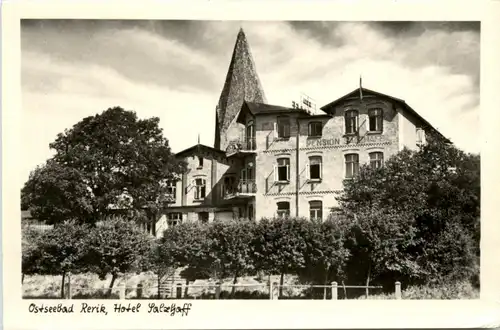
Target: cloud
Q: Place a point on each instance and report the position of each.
(176, 69)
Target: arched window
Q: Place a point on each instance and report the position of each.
(351, 165)
(314, 170)
(200, 162)
(316, 210)
(376, 160)
(283, 209)
(375, 119)
(351, 122)
(200, 189)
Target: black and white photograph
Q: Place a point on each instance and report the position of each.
(238, 167)
(250, 160)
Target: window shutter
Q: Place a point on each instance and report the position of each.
(275, 170)
(308, 172)
(288, 172)
(275, 130)
(321, 170)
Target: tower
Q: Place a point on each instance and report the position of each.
(242, 84)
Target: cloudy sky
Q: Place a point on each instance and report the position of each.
(176, 69)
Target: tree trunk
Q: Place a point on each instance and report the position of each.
(325, 283)
(22, 278)
(159, 285)
(113, 279)
(282, 280)
(233, 290)
(62, 284)
(368, 278)
(186, 289)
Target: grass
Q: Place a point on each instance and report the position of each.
(89, 286)
(461, 290)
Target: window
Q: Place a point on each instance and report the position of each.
(376, 160)
(200, 162)
(171, 189)
(229, 185)
(351, 122)
(314, 168)
(250, 212)
(316, 210)
(315, 128)
(375, 120)
(250, 143)
(283, 127)
(283, 209)
(282, 171)
(199, 191)
(173, 219)
(351, 165)
(420, 136)
(203, 217)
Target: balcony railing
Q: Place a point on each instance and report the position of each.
(244, 188)
(242, 145)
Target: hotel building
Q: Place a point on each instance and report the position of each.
(270, 160)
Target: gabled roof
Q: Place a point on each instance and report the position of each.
(198, 148)
(330, 107)
(255, 108)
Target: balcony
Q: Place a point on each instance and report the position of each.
(244, 189)
(243, 147)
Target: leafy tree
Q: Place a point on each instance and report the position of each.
(420, 196)
(280, 247)
(327, 253)
(63, 249)
(117, 246)
(31, 251)
(160, 261)
(55, 193)
(230, 247)
(105, 155)
(186, 245)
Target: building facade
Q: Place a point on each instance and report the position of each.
(272, 160)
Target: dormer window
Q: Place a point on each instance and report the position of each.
(375, 120)
(351, 122)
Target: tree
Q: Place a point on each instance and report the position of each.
(31, 251)
(279, 246)
(186, 245)
(55, 193)
(230, 247)
(326, 250)
(106, 155)
(431, 191)
(117, 246)
(63, 250)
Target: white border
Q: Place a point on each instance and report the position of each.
(262, 314)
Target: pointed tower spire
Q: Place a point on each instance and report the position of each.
(242, 84)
